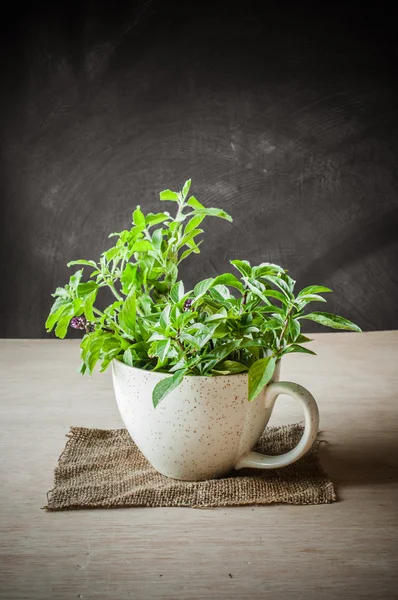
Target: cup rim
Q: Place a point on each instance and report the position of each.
(168, 374)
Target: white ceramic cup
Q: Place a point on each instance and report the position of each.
(206, 426)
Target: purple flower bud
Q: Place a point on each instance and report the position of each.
(187, 304)
(78, 323)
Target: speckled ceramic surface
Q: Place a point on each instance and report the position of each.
(206, 427)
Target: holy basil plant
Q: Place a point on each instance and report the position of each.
(226, 324)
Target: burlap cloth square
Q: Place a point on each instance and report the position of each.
(102, 468)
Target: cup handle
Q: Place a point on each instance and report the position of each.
(255, 460)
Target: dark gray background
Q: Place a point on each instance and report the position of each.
(286, 117)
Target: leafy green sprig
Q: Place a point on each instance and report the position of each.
(225, 325)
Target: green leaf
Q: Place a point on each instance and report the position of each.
(110, 342)
(260, 374)
(196, 204)
(88, 305)
(220, 316)
(207, 335)
(193, 223)
(63, 322)
(250, 329)
(192, 340)
(280, 283)
(138, 217)
(108, 357)
(232, 366)
(128, 277)
(93, 354)
(156, 336)
(195, 246)
(166, 386)
(75, 279)
(142, 246)
(302, 339)
(169, 195)
(140, 349)
(60, 304)
(243, 267)
(291, 283)
(128, 314)
(83, 289)
(146, 303)
(222, 331)
(266, 269)
(257, 343)
(215, 212)
(155, 272)
(91, 346)
(173, 226)
(128, 357)
(89, 263)
(62, 292)
(171, 273)
(306, 298)
(220, 292)
(224, 350)
(271, 325)
(164, 320)
(161, 286)
(83, 368)
(314, 289)
(330, 320)
(111, 253)
(53, 318)
(162, 349)
(202, 287)
(197, 328)
(261, 294)
(185, 254)
(276, 295)
(298, 348)
(270, 309)
(152, 219)
(294, 329)
(177, 291)
(110, 310)
(186, 188)
(175, 315)
(188, 239)
(229, 280)
(180, 364)
(157, 238)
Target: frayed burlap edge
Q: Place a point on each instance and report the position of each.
(101, 468)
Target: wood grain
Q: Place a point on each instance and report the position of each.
(347, 549)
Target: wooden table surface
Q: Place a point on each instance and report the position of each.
(345, 550)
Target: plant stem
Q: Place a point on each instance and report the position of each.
(244, 300)
(147, 235)
(114, 324)
(114, 291)
(180, 345)
(285, 325)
